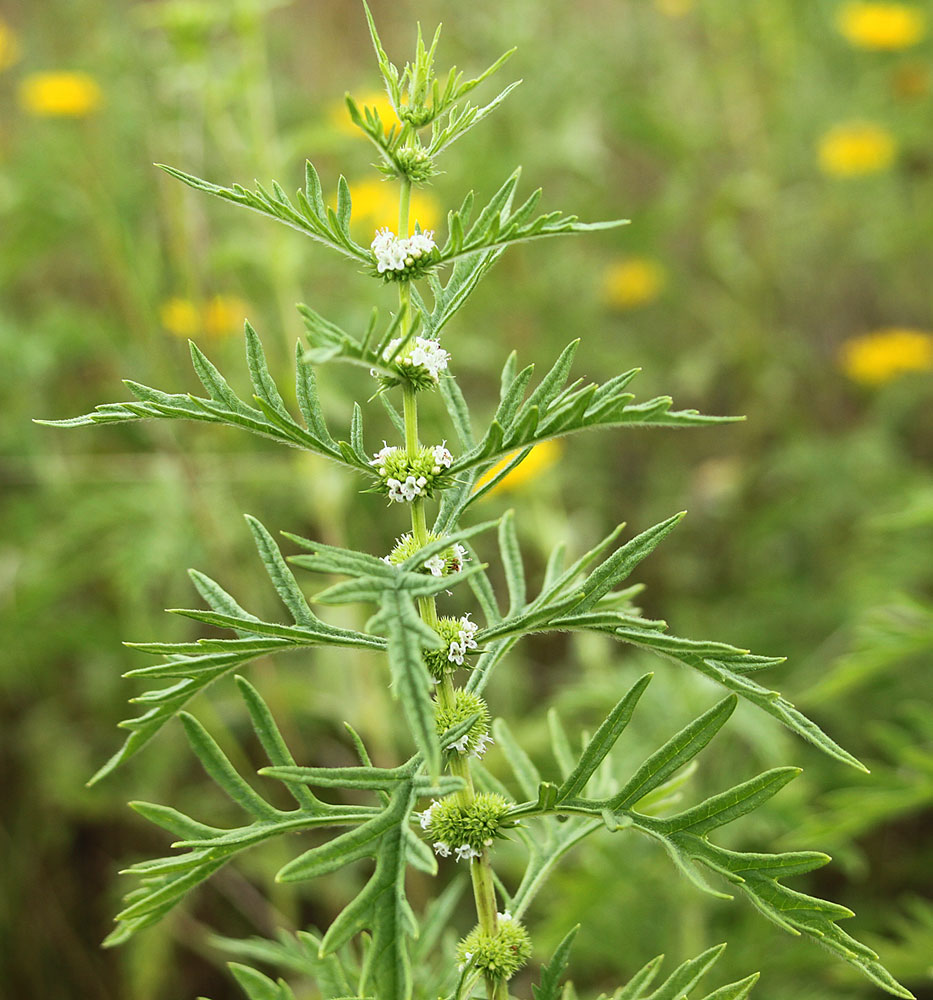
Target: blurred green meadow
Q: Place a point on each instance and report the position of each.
(776, 160)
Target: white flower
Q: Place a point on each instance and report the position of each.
(395, 254)
(419, 243)
(460, 745)
(383, 453)
(421, 353)
(480, 747)
(464, 853)
(425, 817)
(408, 490)
(442, 456)
(442, 849)
(467, 955)
(435, 565)
(506, 917)
(459, 557)
(463, 642)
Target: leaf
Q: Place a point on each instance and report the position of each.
(281, 575)
(758, 875)
(298, 953)
(603, 741)
(382, 908)
(512, 562)
(687, 975)
(269, 418)
(498, 226)
(551, 412)
(257, 986)
(621, 563)
(308, 218)
(221, 770)
(411, 684)
(552, 972)
(165, 881)
(676, 752)
(272, 742)
(360, 842)
(729, 672)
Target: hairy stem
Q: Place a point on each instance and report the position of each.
(484, 891)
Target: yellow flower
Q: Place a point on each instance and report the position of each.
(375, 203)
(340, 115)
(219, 316)
(9, 46)
(224, 314)
(674, 8)
(542, 456)
(881, 26)
(879, 357)
(67, 95)
(181, 317)
(633, 282)
(856, 148)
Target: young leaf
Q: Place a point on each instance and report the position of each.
(552, 972)
(257, 986)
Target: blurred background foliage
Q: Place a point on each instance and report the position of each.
(777, 162)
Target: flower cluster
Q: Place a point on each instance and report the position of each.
(420, 364)
(498, 956)
(450, 560)
(459, 637)
(405, 479)
(465, 705)
(465, 830)
(413, 162)
(402, 258)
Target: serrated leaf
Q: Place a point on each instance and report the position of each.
(407, 636)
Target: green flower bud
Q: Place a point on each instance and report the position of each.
(466, 704)
(405, 479)
(497, 956)
(465, 830)
(414, 162)
(416, 114)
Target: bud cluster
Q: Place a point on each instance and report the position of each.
(459, 638)
(420, 364)
(498, 956)
(465, 705)
(450, 560)
(402, 258)
(465, 830)
(405, 479)
(413, 162)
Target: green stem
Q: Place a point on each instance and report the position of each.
(484, 890)
(403, 208)
(410, 414)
